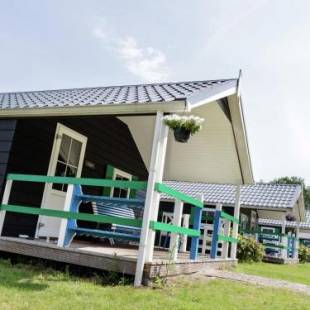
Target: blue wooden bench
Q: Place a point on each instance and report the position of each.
(110, 207)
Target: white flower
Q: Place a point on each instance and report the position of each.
(188, 122)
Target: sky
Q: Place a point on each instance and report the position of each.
(50, 44)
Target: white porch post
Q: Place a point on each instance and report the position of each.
(296, 243)
(283, 239)
(159, 172)
(177, 219)
(235, 225)
(152, 199)
(184, 237)
(226, 243)
(5, 201)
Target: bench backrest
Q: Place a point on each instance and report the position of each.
(113, 209)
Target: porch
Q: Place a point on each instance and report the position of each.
(121, 259)
(53, 207)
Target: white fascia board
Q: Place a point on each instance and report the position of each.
(239, 129)
(105, 109)
(245, 133)
(212, 94)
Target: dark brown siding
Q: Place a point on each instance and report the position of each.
(7, 130)
(109, 142)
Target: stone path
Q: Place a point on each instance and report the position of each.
(257, 280)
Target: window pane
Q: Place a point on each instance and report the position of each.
(116, 192)
(75, 153)
(120, 192)
(123, 193)
(64, 148)
(60, 172)
(71, 171)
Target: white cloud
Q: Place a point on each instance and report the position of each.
(147, 63)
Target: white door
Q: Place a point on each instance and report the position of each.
(66, 160)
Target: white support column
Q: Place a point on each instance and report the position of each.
(283, 241)
(226, 244)
(152, 198)
(296, 242)
(283, 227)
(177, 219)
(235, 225)
(5, 201)
(219, 207)
(63, 224)
(184, 237)
(161, 156)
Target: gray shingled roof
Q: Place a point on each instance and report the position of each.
(130, 94)
(270, 222)
(257, 195)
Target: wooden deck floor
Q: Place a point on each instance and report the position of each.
(110, 258)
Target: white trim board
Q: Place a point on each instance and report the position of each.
(105, 109)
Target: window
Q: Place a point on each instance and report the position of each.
(121, 176)
(244, 221)
(68, 160)
(254, 220)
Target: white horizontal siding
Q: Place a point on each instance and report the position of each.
(209, 156)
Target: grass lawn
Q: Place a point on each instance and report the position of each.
(299, 273)
(28, 287)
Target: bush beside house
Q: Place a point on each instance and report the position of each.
(249, 250)
(303, 254)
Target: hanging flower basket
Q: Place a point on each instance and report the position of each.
(183, 126)
(181, 134)
(290, 217)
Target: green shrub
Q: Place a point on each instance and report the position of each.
(249, 250)
(303, 254)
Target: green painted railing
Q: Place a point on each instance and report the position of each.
(72, 215)
(227, 239)
(77, 181)
(137, 185)
(229, 217)
(174, 229)
(162, 188)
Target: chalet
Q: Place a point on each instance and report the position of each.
(74, 162)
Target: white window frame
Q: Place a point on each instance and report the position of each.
(121, 173)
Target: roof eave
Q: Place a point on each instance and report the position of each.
(266, 208)
(178, 106)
